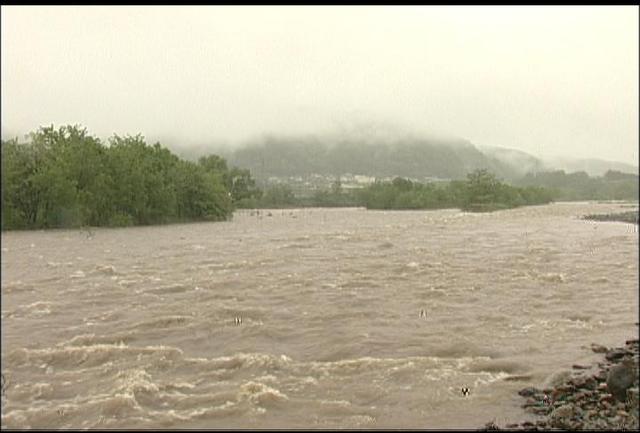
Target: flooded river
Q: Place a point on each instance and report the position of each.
(309, 318)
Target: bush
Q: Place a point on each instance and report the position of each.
(480, 192)
(121, 220)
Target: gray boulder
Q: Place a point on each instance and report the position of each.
(620, 378)
(561, 415)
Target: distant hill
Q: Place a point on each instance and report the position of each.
(407, 157)
(520, 161)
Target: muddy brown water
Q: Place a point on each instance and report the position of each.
(136, 327)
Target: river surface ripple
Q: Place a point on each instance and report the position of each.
(136, 327)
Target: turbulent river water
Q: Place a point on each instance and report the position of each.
(137, 327)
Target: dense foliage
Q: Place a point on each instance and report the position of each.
(67, 178)
(481, 191)
(614, 185)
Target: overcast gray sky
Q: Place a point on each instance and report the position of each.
(546, 80)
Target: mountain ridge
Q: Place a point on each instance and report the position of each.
(406, 156)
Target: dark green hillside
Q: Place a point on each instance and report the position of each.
(413, 158)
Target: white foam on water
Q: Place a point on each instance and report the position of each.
(77, 274)
(37, 308)
(136, 381)
(553, 277)
(339, 403)
(105, 269)
(261, 394)
(58, 264)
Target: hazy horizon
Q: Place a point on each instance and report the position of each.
(549, 81)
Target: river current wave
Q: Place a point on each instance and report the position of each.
(309, 318)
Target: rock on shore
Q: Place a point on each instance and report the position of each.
(589, 399)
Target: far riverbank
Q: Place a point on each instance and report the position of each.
(627, 217)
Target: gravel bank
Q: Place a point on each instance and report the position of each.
(585, 400)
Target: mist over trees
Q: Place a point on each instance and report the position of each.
(410, 157)
(388, 156)
(66, 177)
(422, 160)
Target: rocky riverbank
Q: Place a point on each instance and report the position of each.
(589, 399)
(626, 217)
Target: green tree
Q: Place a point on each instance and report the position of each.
(64, 177)
(20, 199)
(242, 186)
(336, 186)
(482, 187)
